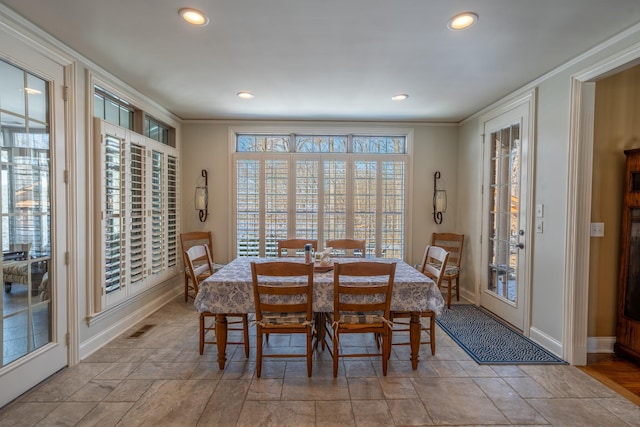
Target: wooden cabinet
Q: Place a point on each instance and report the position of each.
(628, 324)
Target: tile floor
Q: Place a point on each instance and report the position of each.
(159, 379)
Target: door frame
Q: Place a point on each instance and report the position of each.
(527, 99)
(63, 181)
(578, 213)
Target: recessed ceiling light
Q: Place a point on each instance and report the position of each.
(462, 21)
(400, 97)
(245, 95)
(193, 16)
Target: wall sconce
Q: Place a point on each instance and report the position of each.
(439, 199)
(202, 198)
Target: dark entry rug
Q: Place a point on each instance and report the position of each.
(489, 341)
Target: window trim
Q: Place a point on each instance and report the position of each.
(406, 132)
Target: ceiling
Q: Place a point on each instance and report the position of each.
(329, 59)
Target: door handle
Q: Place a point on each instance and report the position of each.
(520, 245)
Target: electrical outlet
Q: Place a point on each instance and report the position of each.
(597, 229)
(539, 210)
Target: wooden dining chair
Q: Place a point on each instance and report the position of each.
(361, 308)
(200, 254)
(452, 243)
(188, 240)
(348, 247)
(433, 265)
(282, 307)
(295, 247)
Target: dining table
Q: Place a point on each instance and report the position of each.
(230, 291)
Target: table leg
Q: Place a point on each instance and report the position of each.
(221, 339)
(414, 338)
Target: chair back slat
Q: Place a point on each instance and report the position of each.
(452, 243)
(348, 247)
(295, 247)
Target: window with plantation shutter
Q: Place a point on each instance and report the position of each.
(137, 207)
(320, 187)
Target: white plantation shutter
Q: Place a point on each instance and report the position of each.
(248, 187)
(276, 203)
(138, 209)
(172, 211)
(335, 199)
(393, 203)
(306, 179)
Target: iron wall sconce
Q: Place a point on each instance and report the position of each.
(202, 198)
(439, 199)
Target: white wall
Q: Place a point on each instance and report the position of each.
(550, 187)
(206, 145)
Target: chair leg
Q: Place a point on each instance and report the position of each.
(432, 333)
(335, 353)
(457, 288)
(245, 329)
(258, 351)
(201, 333)
(309, 352)
(385, 353)
(449, 293)
(186, 287)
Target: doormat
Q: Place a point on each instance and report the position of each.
(489, 341)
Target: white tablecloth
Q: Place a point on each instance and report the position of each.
(229, 290)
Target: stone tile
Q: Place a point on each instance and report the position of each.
(333, 414)
(206, 370)
(19, 414)
(623, 409)
(223, 409)
(118, 371)
(359, 368)
(315, 389)
(265, 389)
(105, 414)
(165, 355)
(446, 369)
(67, 414)
(508, 371)
(457, 401)
(567, 381)
(516, 409)
(398, 388)
(94, 391)
(128, 391)
(371, 413)
(170, 402)
(409, 412)
(277, 414)
(162, 371)
(239, 370)
(65, 383)
(473, 369)
(528, 388)
(365, 388)
(576, 412)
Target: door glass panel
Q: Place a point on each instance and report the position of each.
(25, 209)
(504, 214)
(632, 290)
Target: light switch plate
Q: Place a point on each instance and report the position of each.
(597, 229)
(539, 210)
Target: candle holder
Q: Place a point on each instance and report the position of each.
(202, 198)
(439, 199)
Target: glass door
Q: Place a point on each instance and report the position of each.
(505, 221)
(33, 311)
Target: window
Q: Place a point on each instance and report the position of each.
(320, 187)
(118, 111)
(112, 108)
(138, 211)
(155, 130)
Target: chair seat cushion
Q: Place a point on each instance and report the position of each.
(450, 270)
(284, 318)
(359, 318)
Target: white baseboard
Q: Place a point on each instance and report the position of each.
(120, 325)
(551, 344)
(600, 344)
